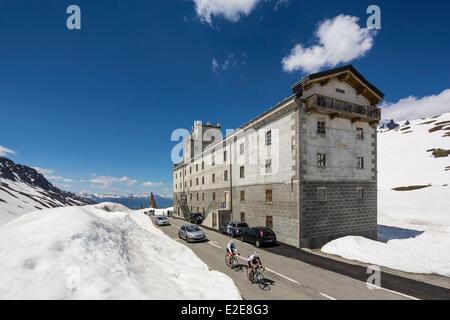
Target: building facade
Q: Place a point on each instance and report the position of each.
(306, 168)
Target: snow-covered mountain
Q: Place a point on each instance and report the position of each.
(23, 189)
(130, 201)
(413, 200)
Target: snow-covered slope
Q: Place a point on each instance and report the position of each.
(103, 251)
(23, 189)
(414, 230)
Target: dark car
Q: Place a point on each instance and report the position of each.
(196, 218)
(259, 236)
(234, 228)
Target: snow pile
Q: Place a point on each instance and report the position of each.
(157, 212)
(414, 226)
(104, 251)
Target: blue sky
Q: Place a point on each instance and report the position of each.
(95, 108)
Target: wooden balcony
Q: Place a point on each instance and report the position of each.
(337, 108)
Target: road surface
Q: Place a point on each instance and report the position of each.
(292, 279)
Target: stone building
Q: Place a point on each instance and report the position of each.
(307, 167)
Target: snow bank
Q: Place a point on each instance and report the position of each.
(103, 251)
(415, 225)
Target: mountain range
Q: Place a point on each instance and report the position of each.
(23, 189)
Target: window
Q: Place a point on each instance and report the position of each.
(191, 197)
(175, 186)
(196, 181)
(175, 175)
(268, 166)
(225, 175)
(196, 167)
(190, 170)
(203, 180)
(340, 90)
(360, 133)
(191, 209)
(360, 163)
(268, 138)
(241, 172)
(190, 183)
(322, 194)
(197, 197)
(321, 128)
(213, 178)
(203, 165)
(225, 156)
(242, 216)
(269, 222)
(242, 196)
(203, 210)
(321, 160)
(214, 196)
(213, 157)
(241, 149)
(203, 196)
(269, 196)
(198, 209)
(360, 193)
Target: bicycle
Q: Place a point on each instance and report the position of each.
(257, 277)
(231, 261)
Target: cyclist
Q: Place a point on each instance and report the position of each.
(254, 262)
(232, 249)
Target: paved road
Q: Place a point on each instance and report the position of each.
(292, 279)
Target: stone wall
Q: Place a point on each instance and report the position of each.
(342, 214)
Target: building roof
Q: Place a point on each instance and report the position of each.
(348, 74)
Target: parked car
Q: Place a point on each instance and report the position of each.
(234, 228)
(191, 233)
(196, 218)
(162, 221)
(259, 236)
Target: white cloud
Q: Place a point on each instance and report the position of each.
(339, 40)
(104, 182)
(413, 108)
(231, 61)
(215, 65)
(152, 184)
(231, 10)
(5, 151)
(281, 3)
(52, 175)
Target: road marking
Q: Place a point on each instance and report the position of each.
(283, 276)
(392, 291)
(327, 296)
(214, 245)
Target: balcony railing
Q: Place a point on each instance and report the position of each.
(344, 108)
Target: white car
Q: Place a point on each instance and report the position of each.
(162, 221)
